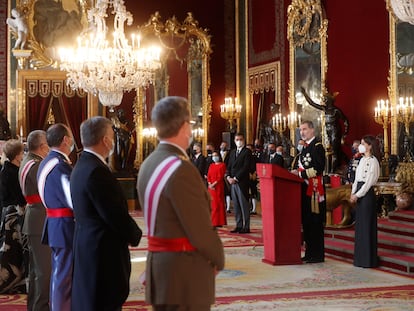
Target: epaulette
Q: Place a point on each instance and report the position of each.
(182, 157)
(318, 143)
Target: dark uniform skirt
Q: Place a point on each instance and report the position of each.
(366, 238)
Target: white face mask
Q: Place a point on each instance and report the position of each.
(300, 148)
(239, 143)
(362, 149)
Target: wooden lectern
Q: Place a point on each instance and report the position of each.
(280, 197)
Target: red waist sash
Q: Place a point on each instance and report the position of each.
(59, 212)
(33, 199)
(156, 244)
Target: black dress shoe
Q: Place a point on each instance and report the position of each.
(244, 231)
(236, 230)
(229, 212)
(253, 213)
(305, 258)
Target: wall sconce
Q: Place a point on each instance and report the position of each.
(294, 119)
(149, 135)
(405, 112)
(198, 134)
(382, 115)
(405, 115)
(279, 123)
(230, 111)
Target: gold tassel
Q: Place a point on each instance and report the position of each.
(315, 203)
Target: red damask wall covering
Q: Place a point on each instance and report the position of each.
(358, 57)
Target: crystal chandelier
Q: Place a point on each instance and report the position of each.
(404, 10)
(230, 111)
(109, 67)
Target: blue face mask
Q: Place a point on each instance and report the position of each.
(216, 159)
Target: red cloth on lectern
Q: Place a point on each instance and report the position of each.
(215, 173)
(337, 212)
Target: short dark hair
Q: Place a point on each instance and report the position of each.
(93, 130)
(34, 139)
(56, 133)
(12, 148)
(309, 123)
(169, 114)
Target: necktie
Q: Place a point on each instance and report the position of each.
(237, 153)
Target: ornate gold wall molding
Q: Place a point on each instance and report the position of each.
(265, 78)
(307, 25)
(392, 77)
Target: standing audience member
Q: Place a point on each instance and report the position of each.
(367, 173)
(253, 193)
(353, 163)
(13, 265)
(103, 228)
(224, 153)
(39, 254)
(310, 167)
(215, 179)
(198, 159)
(238, 176)
(274, 156)
(209, 158)
(53, 184)
(184, 251)
(258, 150)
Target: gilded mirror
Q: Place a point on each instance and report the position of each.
(307, 31)
(401, 79)
(184, 72)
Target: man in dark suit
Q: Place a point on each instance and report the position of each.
(274, 157)
(198, 159)
(310, 167)
(104, 229)
(53, 184)
(209, 158)
(238, 176)
(34, 218)
(184, 250)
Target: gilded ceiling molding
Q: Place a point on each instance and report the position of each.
(47, 87)
(265, 78)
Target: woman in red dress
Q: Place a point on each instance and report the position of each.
(215, 179)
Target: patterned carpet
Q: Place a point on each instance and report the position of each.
(248, 284)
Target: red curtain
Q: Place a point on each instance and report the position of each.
(68, 110)
(37, 109)
(263, 104)
(75, 111)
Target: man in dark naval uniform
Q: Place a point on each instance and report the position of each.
(310, 167)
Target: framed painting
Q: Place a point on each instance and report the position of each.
(52, 24)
